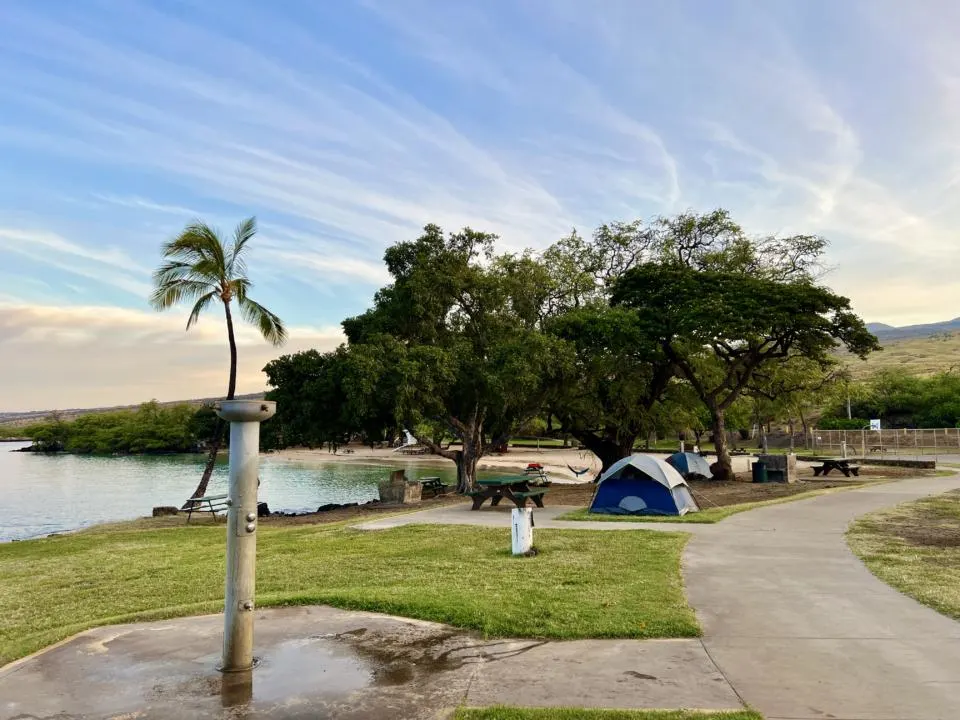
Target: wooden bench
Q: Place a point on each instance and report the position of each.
(213, 503)
(432, 486)
(536, 495)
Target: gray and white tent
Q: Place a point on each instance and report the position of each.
(643, 485)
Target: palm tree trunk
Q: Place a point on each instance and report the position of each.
(221, 428)
(232, 386)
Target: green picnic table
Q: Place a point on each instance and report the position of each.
(516, 488)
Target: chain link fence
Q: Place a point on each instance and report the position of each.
(902, 442)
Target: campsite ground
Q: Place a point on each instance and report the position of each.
(793, 624)
(716, 499)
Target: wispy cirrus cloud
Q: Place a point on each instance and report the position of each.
(346, 127)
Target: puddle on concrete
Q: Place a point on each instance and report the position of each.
(322, 668)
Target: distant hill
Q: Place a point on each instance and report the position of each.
(918, 349)
(888, 332)
(25, 418)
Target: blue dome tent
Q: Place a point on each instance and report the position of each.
(642, 485)
(690, 465)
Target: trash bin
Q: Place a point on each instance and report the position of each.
(759, 472)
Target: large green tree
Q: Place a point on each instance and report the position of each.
(459, 344)
(203, 268)
(721, 328)
(613, 388)
(331, 398)
(615, 384)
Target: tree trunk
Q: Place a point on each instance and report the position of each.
(221, 428)
(466, 461)
(790, 430)
(232, 386)
(723, 469)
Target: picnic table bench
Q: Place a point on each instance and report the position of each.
(214, 504)
(841, 464)
(516, 488)
(432, 486)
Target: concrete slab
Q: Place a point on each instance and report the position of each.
(318, 662)
(607, 673)
(499, 516)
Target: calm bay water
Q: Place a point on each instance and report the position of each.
(42, 494)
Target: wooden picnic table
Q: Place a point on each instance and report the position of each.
(516, 488)
(842, 464)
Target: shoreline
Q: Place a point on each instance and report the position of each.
(556, 461)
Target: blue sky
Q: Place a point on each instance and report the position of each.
(346, 126)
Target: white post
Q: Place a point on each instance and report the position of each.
(244, 417)
(521, 527)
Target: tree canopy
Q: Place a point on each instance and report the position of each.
(677, 323)
(722, 329)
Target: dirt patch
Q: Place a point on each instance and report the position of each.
(933, 522)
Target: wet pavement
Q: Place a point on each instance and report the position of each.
(318, 662)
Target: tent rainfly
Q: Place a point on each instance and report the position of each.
(690, 465)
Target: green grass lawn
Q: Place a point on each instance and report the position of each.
(582, 584)
(915, 547)
(709, 515)
(508, 713)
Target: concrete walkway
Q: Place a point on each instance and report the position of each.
(800, 627)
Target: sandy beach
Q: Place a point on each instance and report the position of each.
(556, 461)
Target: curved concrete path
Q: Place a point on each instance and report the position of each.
(801, 628)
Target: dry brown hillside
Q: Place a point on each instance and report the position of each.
(920, 356)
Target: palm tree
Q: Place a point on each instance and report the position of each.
(201, 268)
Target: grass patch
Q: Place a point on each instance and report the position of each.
(710, 515)
(582, 584)
(509, 713)
(915, 547)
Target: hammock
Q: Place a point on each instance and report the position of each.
(578, 473)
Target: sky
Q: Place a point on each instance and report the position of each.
(346, 126)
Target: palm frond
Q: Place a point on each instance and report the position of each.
(270, 325)
(199, 307)
(172, 291)
(199, 244)
(237, 266)
(239, 287)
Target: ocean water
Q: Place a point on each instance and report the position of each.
(42, 494)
